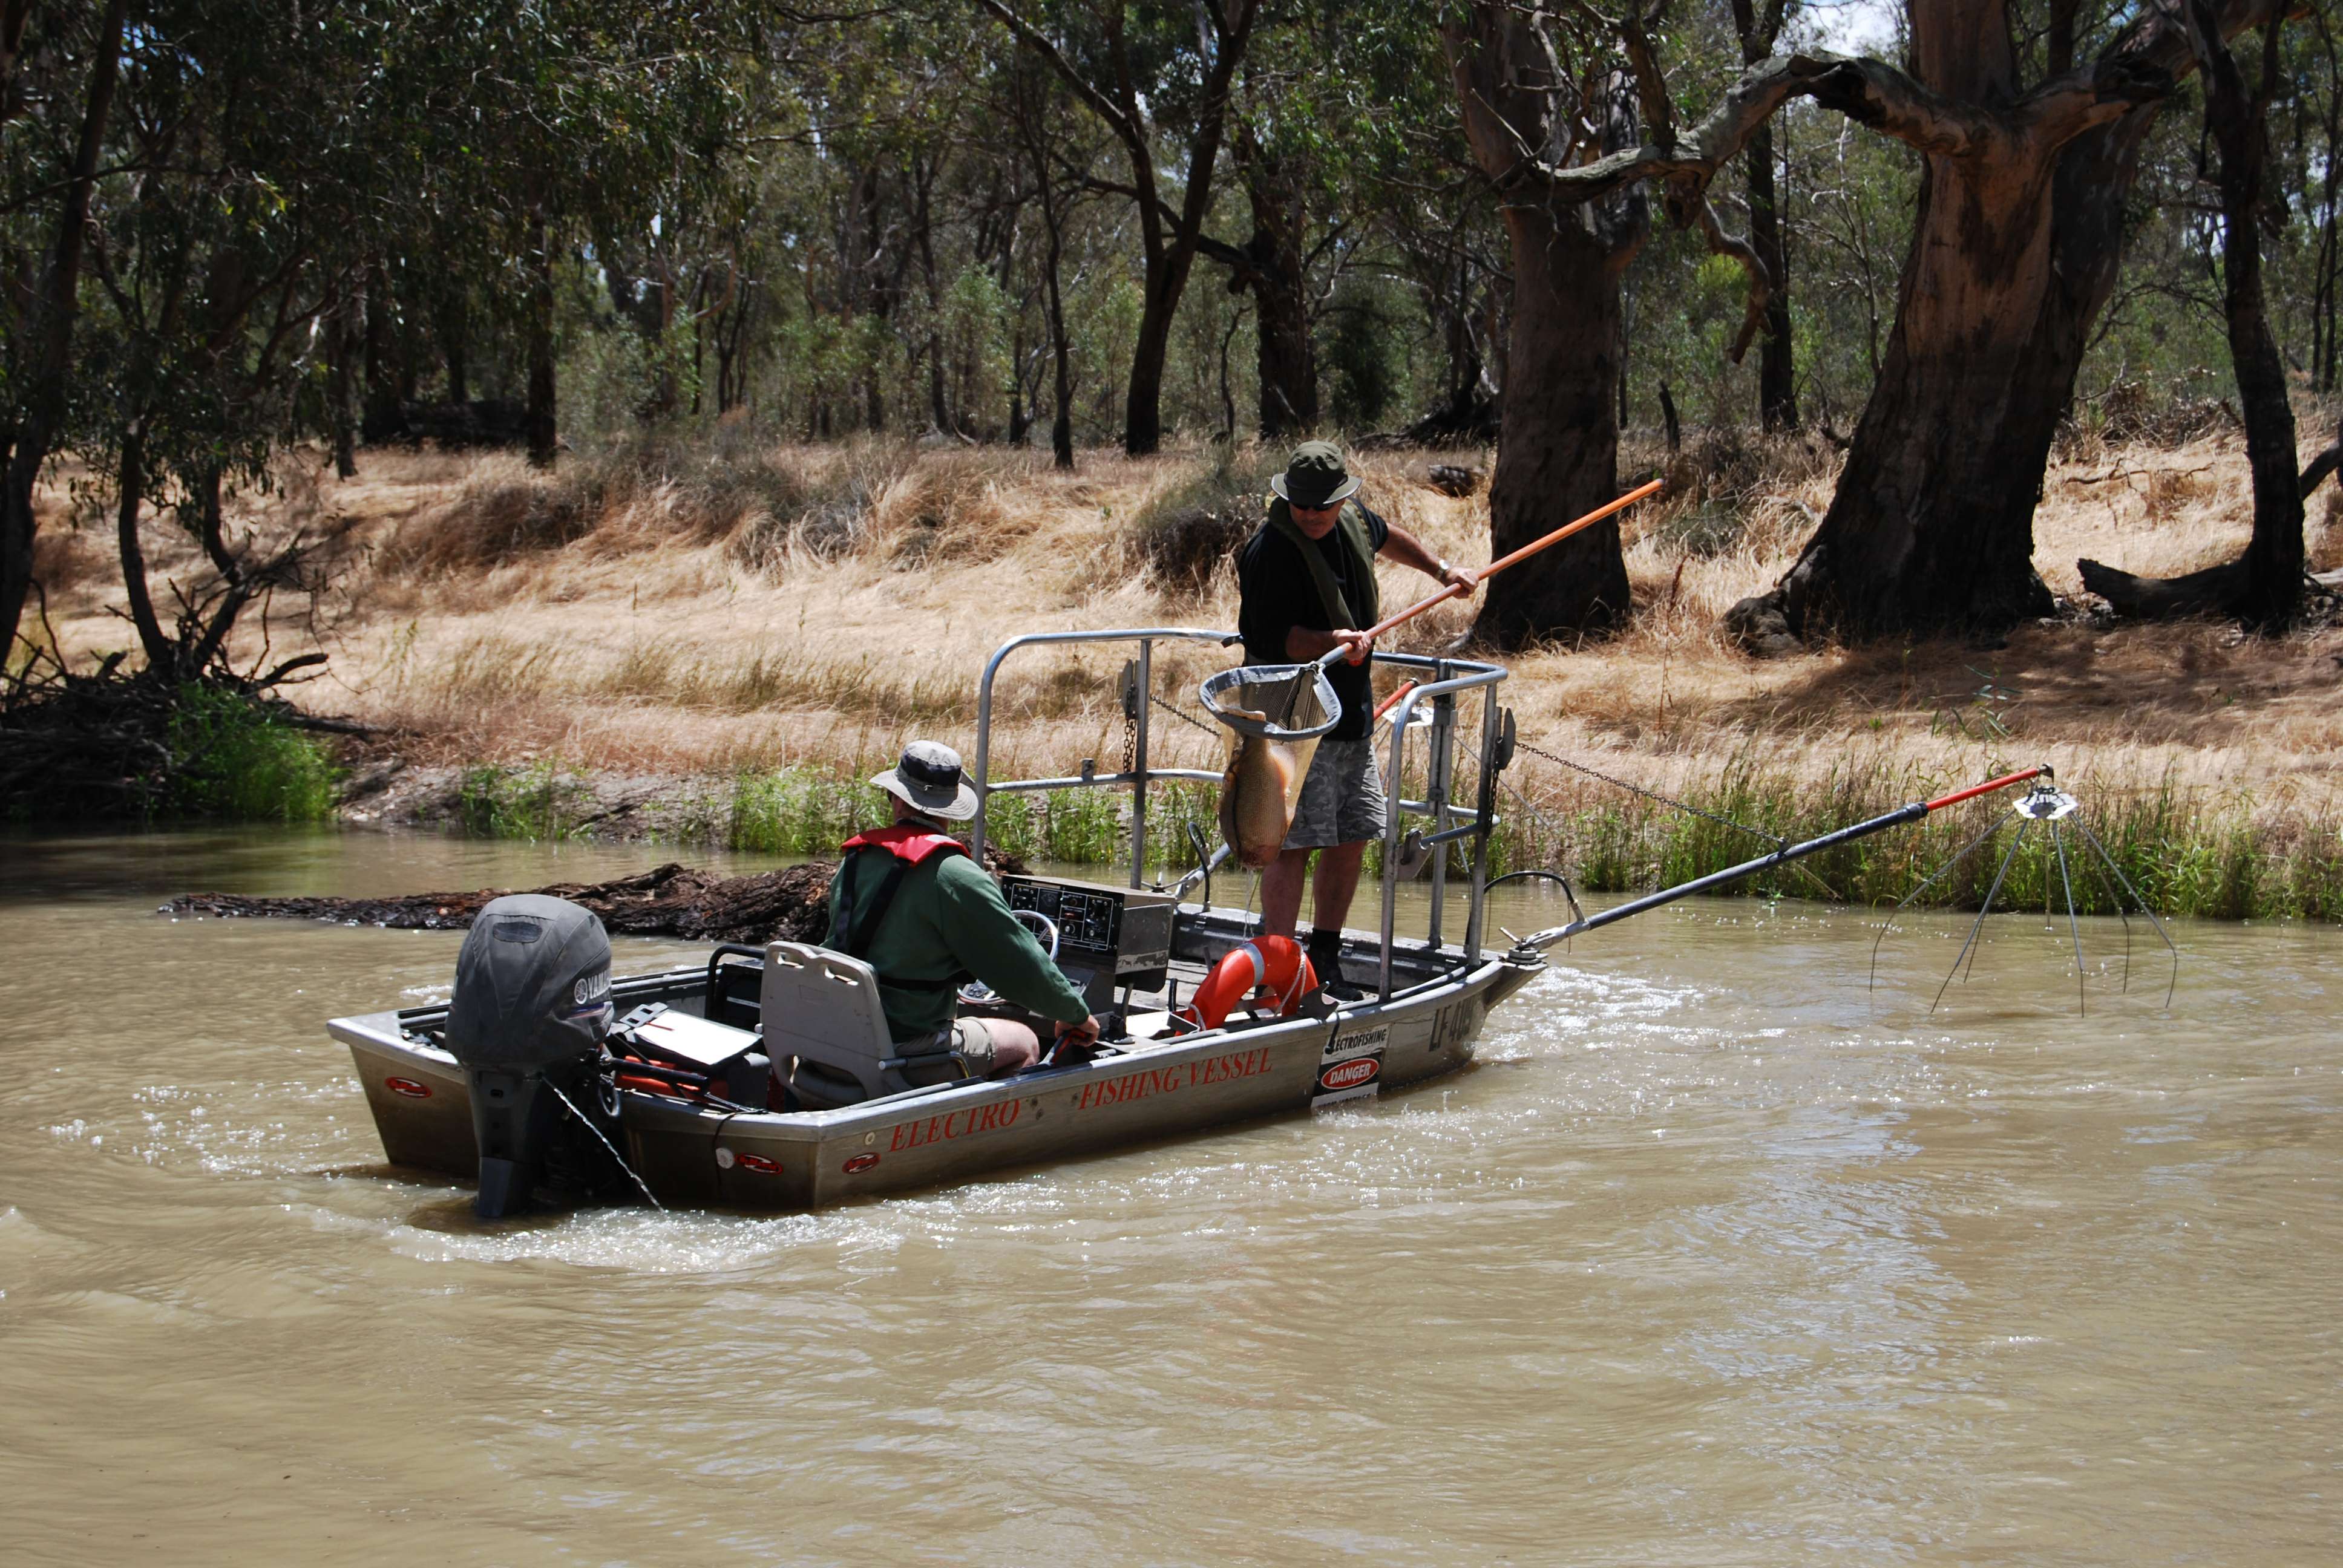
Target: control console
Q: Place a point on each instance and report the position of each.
(1108, 937)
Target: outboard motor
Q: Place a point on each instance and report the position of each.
(531, 1006)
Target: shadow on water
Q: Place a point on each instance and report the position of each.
(453, 1217)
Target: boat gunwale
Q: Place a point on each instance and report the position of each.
(368, 1029)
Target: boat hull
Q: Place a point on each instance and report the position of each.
(690, 1154)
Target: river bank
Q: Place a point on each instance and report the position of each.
(717, 644)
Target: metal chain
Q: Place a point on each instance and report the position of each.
(1131, 719)
(1182, 714)
(1775, 839)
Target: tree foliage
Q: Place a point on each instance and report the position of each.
(231, 230)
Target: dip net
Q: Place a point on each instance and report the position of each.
(1275, 715)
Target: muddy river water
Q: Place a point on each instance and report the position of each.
(1716, 1257)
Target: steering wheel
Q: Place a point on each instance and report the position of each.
(1044, 929)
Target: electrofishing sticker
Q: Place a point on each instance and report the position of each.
(1352, 1042)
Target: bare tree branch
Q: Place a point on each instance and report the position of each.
(1761, 285)
(1125, 127)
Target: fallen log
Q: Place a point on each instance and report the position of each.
(671, 900)
(2211, 592)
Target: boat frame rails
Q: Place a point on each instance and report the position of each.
(1424, 1016)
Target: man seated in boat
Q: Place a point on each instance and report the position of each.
(1307, 583)
(911, 901)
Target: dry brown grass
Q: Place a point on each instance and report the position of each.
(790, 605)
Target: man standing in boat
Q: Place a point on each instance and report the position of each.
(910, 901)
(1307, 584)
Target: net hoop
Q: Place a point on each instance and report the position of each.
(1234, 696)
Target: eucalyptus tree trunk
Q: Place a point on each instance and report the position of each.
(1558, 450)
(2272, 589)
(130, 490)
(1778, 392)
(1778, 380)
(1558, 446)
(47, 343)
(1169, 236)
(1285, 355)
(1032, 130)
(544, 433)
(2014, 248)
(2264, 586)
(341, 424)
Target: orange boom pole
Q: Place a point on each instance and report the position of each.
(1519, 556)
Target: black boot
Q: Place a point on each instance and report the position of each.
(1326, 958)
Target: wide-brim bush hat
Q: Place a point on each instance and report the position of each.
(929, 779)
(1315, 477)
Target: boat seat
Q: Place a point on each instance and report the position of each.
(822, 1007)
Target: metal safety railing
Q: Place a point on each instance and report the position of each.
(1450, 676)
(1450, 824)
(1139, 776)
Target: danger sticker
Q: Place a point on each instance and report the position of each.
(408, 1087)
(1352, 1078)
(859, 1165)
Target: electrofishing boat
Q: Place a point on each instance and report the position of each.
(764, 1079)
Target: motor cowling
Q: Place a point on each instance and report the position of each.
(531, 1006)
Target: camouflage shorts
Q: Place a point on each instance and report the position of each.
(1341, 798)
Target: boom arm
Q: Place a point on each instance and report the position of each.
(1783, 856)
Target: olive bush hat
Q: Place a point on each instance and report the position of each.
(1315, 477)
(929, 779)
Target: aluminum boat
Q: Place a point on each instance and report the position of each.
(687, 1105)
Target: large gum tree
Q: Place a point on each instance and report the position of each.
(2016, 248)
(1568, 116)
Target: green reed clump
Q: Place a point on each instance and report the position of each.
(798, 812)
(811, 812)
(240, 759)
(1082, 826)
(541, 800)
(2188, 853)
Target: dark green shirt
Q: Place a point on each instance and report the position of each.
(947, 921)
(1277, 592)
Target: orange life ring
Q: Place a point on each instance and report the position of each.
(1276, 967)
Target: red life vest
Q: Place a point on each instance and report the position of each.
(906, 843)
(853, 930)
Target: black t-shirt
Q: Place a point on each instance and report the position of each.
(1276, 594)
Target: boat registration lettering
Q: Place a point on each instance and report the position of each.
(958, 1125)
(1140, 1085)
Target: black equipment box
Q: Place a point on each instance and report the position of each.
(1108, 937)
